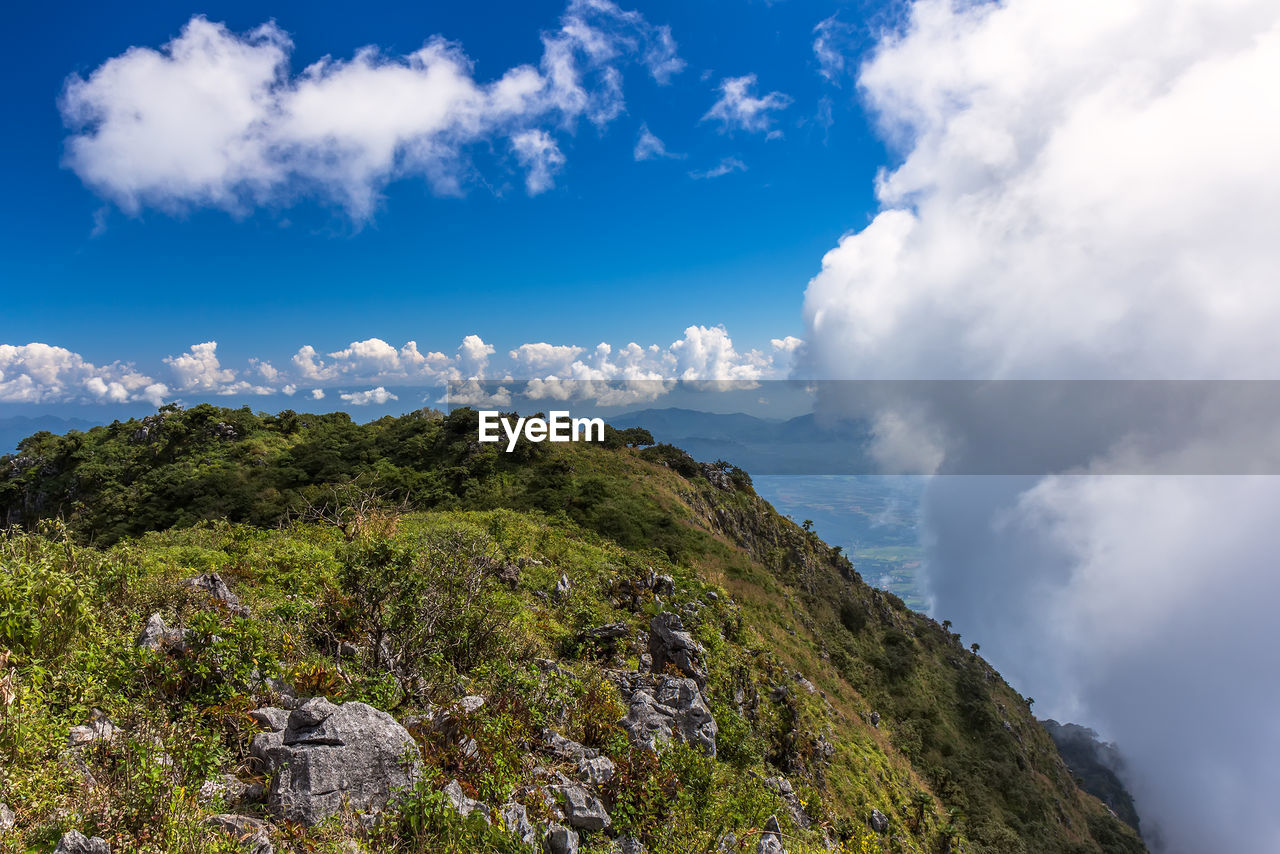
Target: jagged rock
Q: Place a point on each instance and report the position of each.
(75, 842)
(276, 692)
(612, 631)
(156, 635)
(583, 810)
(515, 818)
(212, 584)
(99, 728)
(663, 585)
(561, 840)
(596, 771)
(464, 805)
(230, 791)
(879, 822)
(675, 709)
(629, 845)
(254, 835)
(563, 748)
(272, 718)
(563, 586)
(782, 787)
(805, 683)
(471, 704)
(875, 719)
(670, 643)
(7, 819)
(771, 838)
(330, 755)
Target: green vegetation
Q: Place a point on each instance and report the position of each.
(405, 565)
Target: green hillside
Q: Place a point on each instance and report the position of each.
(515, 614)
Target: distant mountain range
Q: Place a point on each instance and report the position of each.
(15, 428)
(762, 446)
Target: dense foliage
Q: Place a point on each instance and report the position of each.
(478, 572)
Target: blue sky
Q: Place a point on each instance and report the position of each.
(616, 250)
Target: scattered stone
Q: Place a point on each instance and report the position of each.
(782, 787)
(75, 842)
(254, 835)
(805, 683)
(230, 791)
(670, 643)
(563, 586)
(334, 755)
(561, 840)
(597, 771)
(7, 819)
(99, 728)
(211, 584)
(464, 805)
(471, 704)
(664, 585)
(771, 839)
(629, 845)
(156, 635)
(563, 748)
(875, 719)
(675, 709)
(515, 819)
(879, 822)
(583, 810)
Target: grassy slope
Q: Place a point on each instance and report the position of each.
(956, 754)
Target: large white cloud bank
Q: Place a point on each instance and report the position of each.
(1090, 190)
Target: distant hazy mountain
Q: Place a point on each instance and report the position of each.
(762, 446)
(18, 427)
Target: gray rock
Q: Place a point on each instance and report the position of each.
(99, 728)
(212, 584)
(75, 842)
(629, 845)
(271, 718)
(156, 635)
(334, 755)
(879, 822)
(663, 585)
(782, 787)
(669, 643)
(584, 810)
(675, 709)
(230, 791)
(560, 840)
(471, 704)
(563, 586)
(7, 819)
(515, 819)
(253, 835)
(464, 805)
(563, 748)
(263, 747)
(771, 838)
(596, 771)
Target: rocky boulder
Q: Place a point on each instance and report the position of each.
(675, 709)
(212, 585)
(330, 756)
(156, 635)
(75, 842)
(669, 643)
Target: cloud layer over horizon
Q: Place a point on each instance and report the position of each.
(1089, 191)
(41, 373)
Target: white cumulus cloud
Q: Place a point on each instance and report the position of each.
(216, 118)
(43, 373)
(377, 395)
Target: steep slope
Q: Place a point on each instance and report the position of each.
(416, 570)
